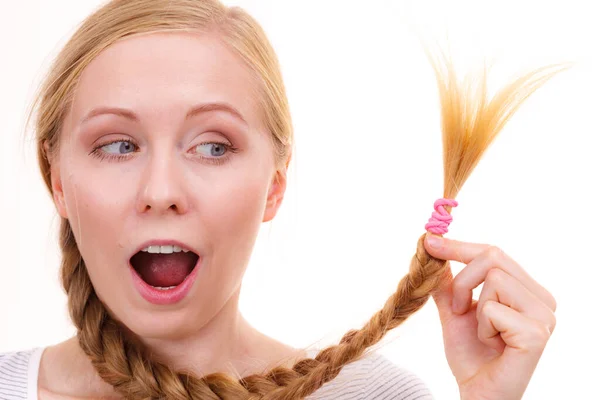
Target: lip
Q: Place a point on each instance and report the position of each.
(163, 242)
(169, 296)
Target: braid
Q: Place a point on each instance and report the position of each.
(122, 361)
(118, 356)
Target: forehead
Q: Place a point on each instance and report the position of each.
(160, 75)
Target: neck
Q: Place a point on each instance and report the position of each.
(222, 345)
(227, 343)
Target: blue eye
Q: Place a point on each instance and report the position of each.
(120, 147)
(218, 149)
(217, 152)
(117, 150)
(121, 150)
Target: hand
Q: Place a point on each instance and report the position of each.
(492, 345)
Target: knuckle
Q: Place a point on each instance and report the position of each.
(540, 334)
(552, 302)
(495, 253)
(552, 322)
(486, 307)
(495, 276)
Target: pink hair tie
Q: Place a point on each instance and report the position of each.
(440, 218)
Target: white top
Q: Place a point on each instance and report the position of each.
(19, 374)
(373, 377)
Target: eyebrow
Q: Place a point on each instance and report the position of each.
(194, 111)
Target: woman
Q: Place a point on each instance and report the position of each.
(164, 136)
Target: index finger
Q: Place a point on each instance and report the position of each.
(449, 249)
(480, 258)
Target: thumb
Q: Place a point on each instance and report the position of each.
(443, 294)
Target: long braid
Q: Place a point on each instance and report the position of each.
(117, 355)
(122, 362)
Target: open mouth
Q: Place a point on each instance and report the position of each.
(164, 267)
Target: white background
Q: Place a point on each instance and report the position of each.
(366, 172)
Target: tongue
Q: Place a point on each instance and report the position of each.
(164, 270)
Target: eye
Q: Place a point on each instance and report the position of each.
(114, 150)
(214, 152)
(118, 147)
(216, 149)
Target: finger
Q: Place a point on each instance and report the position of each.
(505, 289)
(489, 335)
(476, 270)
(523, 337)
(449, 249)
(524, 341)
(442, 295)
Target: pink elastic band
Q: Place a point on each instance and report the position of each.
(440, 218)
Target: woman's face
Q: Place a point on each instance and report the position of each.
(184, 160)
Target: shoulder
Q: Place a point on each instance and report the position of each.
(386, 380)
(374, 377)
(18, 374)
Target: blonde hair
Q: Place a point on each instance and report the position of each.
(470, 123)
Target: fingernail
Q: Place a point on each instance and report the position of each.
(434, 241)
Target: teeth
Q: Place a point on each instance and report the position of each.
(164, 249)
(164, 288)
(153, 249)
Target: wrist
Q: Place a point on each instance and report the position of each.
(477, 395)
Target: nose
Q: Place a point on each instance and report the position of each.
(162, 189)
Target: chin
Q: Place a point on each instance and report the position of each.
(173, 313)
(164, 325)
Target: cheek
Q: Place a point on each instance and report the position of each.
(236, 212)
(96, 216)
(93, 211)
(232, 220)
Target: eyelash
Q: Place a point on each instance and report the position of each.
(96, 152)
